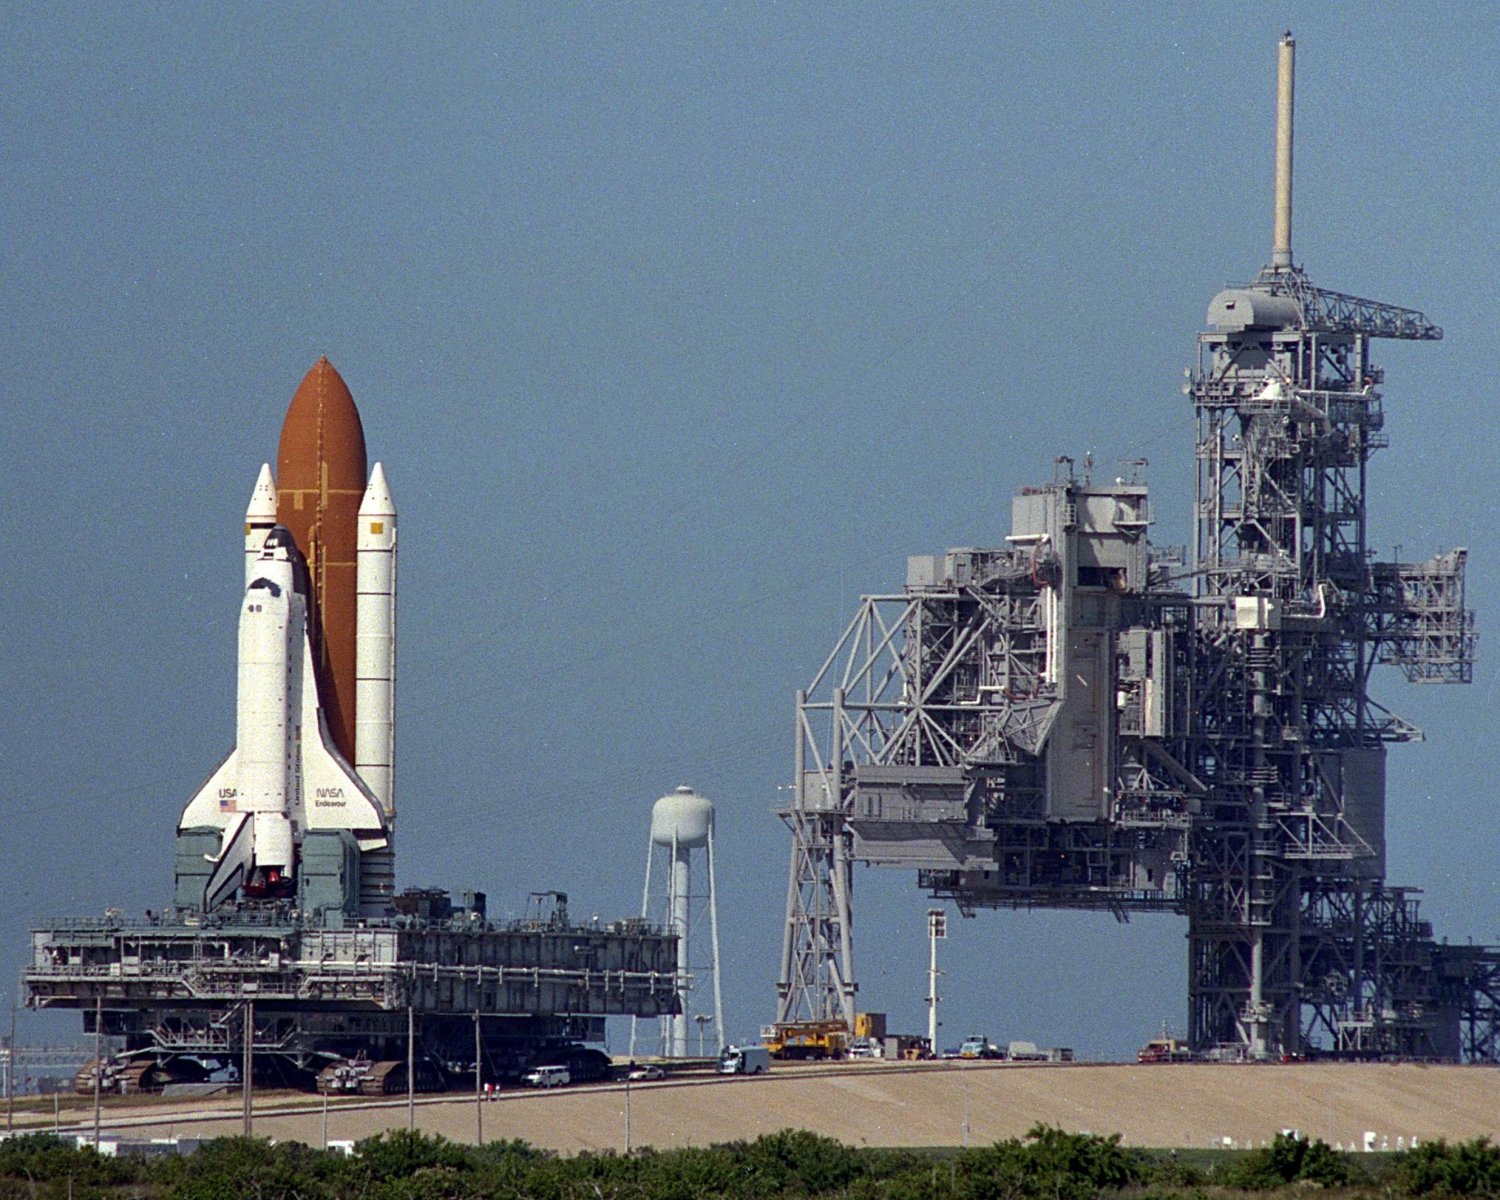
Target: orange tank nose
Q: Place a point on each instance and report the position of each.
(320, 478)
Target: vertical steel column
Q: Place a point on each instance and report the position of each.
(795, 929)
(713, 934)
(478, 1085)
(98, 1060)
(10, 1071)
(843, 872)
(411, 1067)
(678, 888)
(646, 912)
(247, 1064)
(937, 927)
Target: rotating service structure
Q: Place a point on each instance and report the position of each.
(1082, 719)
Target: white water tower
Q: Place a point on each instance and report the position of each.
(682, 822)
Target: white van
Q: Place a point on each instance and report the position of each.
(547, 1077)
(744, 1060)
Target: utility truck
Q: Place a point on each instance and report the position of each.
(744, 1060)
(1026, 1052)
(806, 1039)
(978, 1045)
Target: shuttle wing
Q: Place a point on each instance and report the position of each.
(213, 803)
(333, 794)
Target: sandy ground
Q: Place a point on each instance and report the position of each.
(923, 1105)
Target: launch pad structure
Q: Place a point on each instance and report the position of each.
(1080, 719)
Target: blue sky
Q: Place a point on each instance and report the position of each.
(678, 327)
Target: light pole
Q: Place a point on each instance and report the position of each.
(411, 1067)
(98, 1059)
(478, 1084)
(247, 1066)
(937, 927)
(702, 1019)
(10, 1070)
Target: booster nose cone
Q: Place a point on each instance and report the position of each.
(377, 500)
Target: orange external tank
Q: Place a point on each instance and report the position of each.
(320, 479)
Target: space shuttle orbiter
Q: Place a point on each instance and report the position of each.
(284, 778)
(316, 678)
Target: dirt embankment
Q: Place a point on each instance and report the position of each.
(933, 1104)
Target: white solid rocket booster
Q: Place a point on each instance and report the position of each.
(375, 676)
(375, 642)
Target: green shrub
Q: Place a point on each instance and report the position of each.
(1290, 1158)
(242, 1168)
(1438, 1169)
(798, 1161)
(1049, 1163)
(1168, 1171)
(38, 1157)
(401, 1153)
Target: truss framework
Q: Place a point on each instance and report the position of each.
(1054, 724)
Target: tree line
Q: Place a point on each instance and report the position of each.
(1047, 1164)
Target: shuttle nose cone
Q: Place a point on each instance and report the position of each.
(278, 543)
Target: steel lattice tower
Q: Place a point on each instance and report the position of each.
(1292, 614)
(1062, 723)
